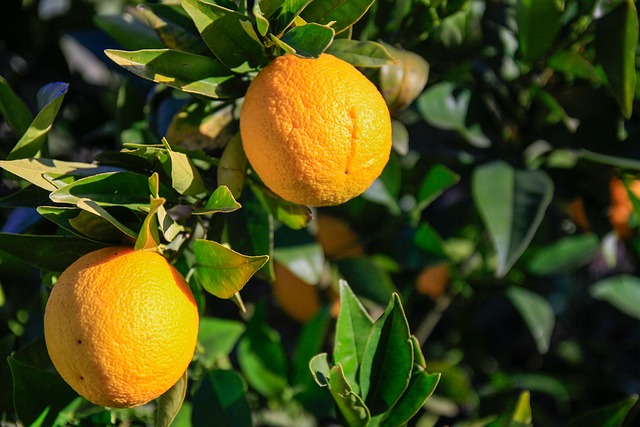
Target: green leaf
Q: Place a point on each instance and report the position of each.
(221, 401)
(99, 222)
(622, 292)
(351, 406)
(184, 71)
(129, 33)
(7, 344)
(14, 111)
(217, 337)
(232, 169)
(361, 53)
(283, 13)
(169, 402)
(185, 178)
(428, 240)
(320, 369)
(109, 189)
(223, 271)
(616, 39)
(575, 65)
(307, 41)
(292, 215)
(36, 385)
(345, 13)
(608, 416)
(442, 106)
(537, 314)
(221, 200)
(352, 332)
(367, 278)
(174, 27)
(421, 387)
(50, 99)
(538, 24)
(387, 360)
(437, 179)
(386, 188)
(53, 253)
(148, 237)
(522, 416)
(228, 34)
(262, 357)
(34, 170)
(310, 342)
(512, 204)
(305, 261)
(565, 255)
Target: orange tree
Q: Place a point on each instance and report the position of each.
(500, 115)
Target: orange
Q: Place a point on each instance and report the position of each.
(621, 206)
(300, 300)
(433, 280)
(121, 326)
(316, 131)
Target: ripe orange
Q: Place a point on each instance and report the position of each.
(433, 280)
(301, 300)
(621, 206)
(121, 326)
(316, 131)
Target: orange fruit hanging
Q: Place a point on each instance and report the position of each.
(121, 326)
(316, 131)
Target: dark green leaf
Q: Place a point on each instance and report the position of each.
(361, 53)
(428, 239)
(109, 189)
(174, 28)
(512, 204)
(129, 33)
(353, 409)
(283, 12)
(221, 200)
(309, 40)
(345, 13)
(387, 360)
(7, 344)
(37, 387)
(181, 70)
(565, 255)
(218, 337)
(616, 40)
(229, 34)
(32, 141)
(309, 343)
(537, 314)
(223, 271)
(262, 357)
(33, 170)
(366, 278)
(538, 24)
(437, 179)
(608, 416)
(220, 401)
(352, 332)
(99, 222)
(14, 111)
(575, 65)
(622, 292)
(170, 402)
(53, 253)
(386, 189)
(421, 387)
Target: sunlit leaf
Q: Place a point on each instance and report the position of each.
(223, 271)
(352, 332)
(229, 34)
(387, 360)
(616, 40)
(320, 369)
(622, 292)
(148, 237)
(221, 200)
(185, 178)
(350, 404)
(187, 72)
(170, 401)
(361, 53)
(344, 12)
(50, 99)
(537, 314)
(512, 204)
